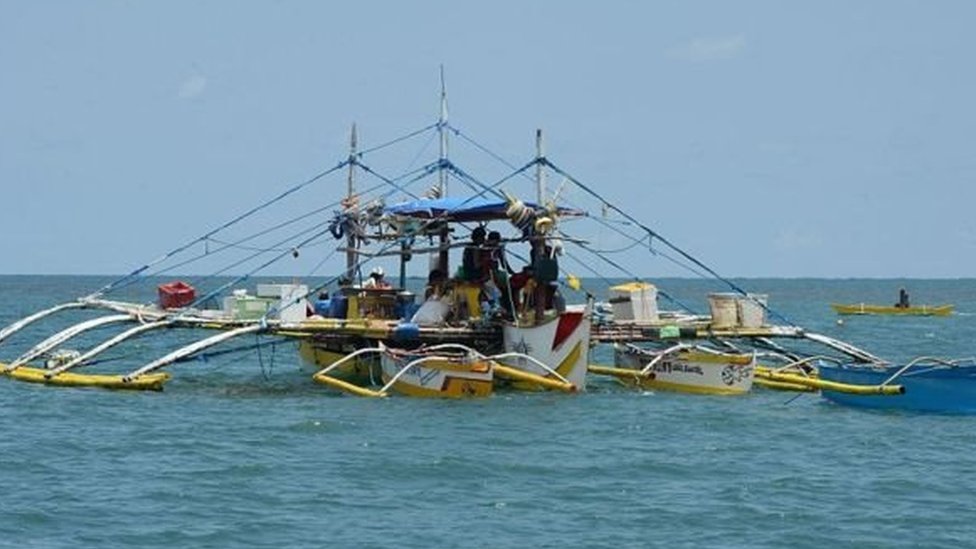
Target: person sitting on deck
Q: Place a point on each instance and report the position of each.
(436, 285)
(438, 301)
(902, 299)
(376, 279)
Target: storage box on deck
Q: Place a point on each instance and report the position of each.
(751, 309)
(724, 310)
(241, 306)
(634, 301)
(175, 295)
(292, 302)
(730, 310)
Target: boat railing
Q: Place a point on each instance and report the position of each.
(502, 356)
(802, 364)
(935, 362)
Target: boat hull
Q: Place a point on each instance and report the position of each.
(690, 372)
(363, 370)
(437, 375)
(562, 343)
(941, 389)
(868, 309)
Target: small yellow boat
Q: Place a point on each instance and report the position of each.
(869, 309)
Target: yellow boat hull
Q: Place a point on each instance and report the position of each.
(868, 309)
(363, 371)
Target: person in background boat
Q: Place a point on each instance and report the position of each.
(475, 257)
(376, 279)
(902, 299)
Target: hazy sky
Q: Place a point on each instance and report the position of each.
(767, 138)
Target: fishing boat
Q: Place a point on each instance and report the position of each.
(476, 328)
(913, 310)
(929, 385)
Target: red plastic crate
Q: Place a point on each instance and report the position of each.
(174, 295)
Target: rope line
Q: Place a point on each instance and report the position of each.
(109, 287)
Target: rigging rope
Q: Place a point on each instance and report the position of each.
(397, 140)
(109, 287)
(665, 241)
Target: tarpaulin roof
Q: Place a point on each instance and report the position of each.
(462, 209)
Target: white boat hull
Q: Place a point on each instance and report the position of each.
(690, 371)
(562, 343)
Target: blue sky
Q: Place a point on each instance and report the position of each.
(825, 139)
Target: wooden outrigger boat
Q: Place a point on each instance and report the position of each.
(522, 343)
(913, 310)
(487, 332)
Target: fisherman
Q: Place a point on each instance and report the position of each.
(473, 258)
(496, 253)
(376, 280)
(435, 285)
(902, 299)
(521, 286)
(499, 271)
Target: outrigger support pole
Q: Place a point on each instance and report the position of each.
(558, 384)
(119, 338)
(65, 335)
(846, 348)
(323, 377)
(20, 324)
(193, 348)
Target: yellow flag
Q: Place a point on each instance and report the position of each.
(573, 282)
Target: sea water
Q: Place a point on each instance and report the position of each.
(245, 450)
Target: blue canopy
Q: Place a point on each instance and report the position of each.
(461, 209)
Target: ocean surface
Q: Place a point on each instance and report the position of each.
(244, 450)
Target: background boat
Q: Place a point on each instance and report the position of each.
(869, 309)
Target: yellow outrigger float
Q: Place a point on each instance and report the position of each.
(798, 382)
(151, 382)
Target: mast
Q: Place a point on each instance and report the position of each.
(441, 123)
(539, 239)
(350, 191)
(540, 171)
(443, 255)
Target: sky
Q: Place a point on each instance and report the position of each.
(767, 139)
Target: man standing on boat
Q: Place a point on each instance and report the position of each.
(902, 299)
(473, 258)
